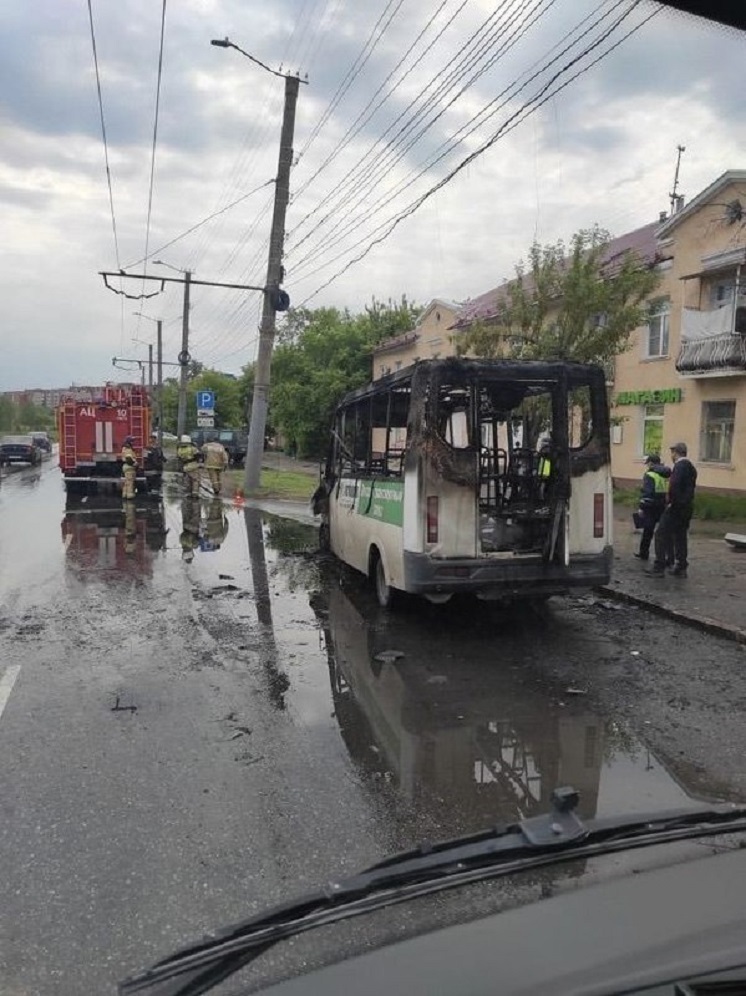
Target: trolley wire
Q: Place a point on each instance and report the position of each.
(350, 220)
(103, 133)
(544, 94)
(361, 176)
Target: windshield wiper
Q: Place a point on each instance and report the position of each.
(532, 843)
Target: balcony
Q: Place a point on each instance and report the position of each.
(713, 343)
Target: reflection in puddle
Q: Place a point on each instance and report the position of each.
(107, 540)
(464, 735)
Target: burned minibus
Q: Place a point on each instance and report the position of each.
(484, 476)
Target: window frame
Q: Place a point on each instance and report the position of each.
(728, 425)
(659, 310)
(647, 416)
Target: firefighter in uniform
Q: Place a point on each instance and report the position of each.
(216, 526)
(190, 527)
(216, 461)
(129, 468)
(189, 459)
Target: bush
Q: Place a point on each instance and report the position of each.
(707, 507)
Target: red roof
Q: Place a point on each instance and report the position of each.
(641, 241)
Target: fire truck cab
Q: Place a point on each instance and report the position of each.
(92, 433)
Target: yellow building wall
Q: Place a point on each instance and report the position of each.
(702, 233)
(429, 339)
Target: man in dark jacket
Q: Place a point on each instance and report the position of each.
(674, 524)
(652, 501)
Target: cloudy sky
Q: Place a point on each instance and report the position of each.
(567, 122)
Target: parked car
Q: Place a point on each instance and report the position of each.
(234, 441)
(19, 449)
(43, 441)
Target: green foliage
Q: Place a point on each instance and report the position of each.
(566, 304)
(229, 411)
(23, 418)
(322, 354)
(707, 507)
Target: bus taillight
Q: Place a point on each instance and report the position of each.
(432, 519)
(598, 516)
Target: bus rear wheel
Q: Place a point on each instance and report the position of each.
(384, 592)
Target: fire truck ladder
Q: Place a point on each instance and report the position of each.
(137, 424)
(69, 436)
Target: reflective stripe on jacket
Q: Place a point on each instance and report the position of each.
(129, 459)
(545, 466)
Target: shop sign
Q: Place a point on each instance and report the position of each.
(668, 395)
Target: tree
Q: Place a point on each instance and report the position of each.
(227, 389)
(322, 354)
(567, 304)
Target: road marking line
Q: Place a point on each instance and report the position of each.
(6, 684)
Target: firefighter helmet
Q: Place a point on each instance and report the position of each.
(185, 438)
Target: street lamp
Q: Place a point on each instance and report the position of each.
(274, 298)
(183, 356)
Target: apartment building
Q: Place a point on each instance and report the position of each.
(683, 377)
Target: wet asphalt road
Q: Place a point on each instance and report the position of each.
(202, 717)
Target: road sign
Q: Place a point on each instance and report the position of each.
(205, 401)
(205, 421)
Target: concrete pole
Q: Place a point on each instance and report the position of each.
(260, 400)
(184, 358)
(159, 352)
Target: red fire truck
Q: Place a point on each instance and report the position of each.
(91, 435)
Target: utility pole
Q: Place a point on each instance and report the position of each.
(183, 358)
(262, 369)
(159, 352)
(274, 299)
(150, 370)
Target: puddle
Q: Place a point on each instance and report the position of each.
(447, 716)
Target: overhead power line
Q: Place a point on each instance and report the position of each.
(103, 134)
(376, 163)
(545, 93)
(215, 214)
(155, 128)
(354, 71)
(342, 211)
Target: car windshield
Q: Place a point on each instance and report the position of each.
(450, 275)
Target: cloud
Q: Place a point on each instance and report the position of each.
(601, 151)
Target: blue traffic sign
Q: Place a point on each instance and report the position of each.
(205, 400)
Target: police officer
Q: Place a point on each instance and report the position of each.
(129, 468)
(216, 461)
(189, 459)
(652, 501)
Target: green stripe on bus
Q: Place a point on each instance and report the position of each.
(386, 503)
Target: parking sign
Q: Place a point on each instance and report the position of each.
(206, 401)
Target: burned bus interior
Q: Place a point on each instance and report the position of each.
(515, 432)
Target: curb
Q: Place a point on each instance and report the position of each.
(702, 623)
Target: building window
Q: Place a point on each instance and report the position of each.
(721, 294)
(657, 338)
(716, 442)
(652, 429)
